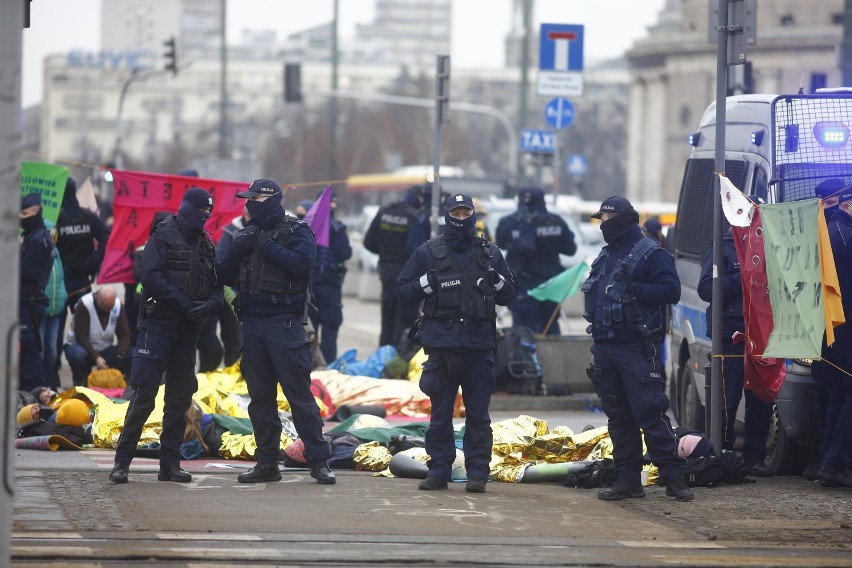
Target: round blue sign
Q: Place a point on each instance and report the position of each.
(559, 112)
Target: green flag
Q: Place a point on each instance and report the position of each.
(791, 244)
(562, 285)
(48, 180)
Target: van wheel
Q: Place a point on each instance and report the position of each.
(691, 409)
(783, 455)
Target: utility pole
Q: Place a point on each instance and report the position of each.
(442, 116)
(223, 81)
(11, 35)
(525, 79)
(332, 103)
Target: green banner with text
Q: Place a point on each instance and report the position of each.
(48, 180)
(791, 236)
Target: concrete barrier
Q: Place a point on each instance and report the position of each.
(563, 360)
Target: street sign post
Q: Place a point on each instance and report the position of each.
(560, 71)
(559, 113)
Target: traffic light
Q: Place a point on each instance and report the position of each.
(292, 82)
(170, 55)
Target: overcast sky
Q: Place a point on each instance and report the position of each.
(479, 26)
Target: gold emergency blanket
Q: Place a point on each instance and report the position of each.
(243, 446)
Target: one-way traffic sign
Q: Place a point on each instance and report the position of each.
(540, 141)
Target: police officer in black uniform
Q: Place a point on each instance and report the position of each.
(833, 380)
(329, 272)
(271, 262)
(534, 238)
(396, 230)
(179, 291)
(36, 263)
(81, 241)
(758, 414)
(460, 277)
(631, 282)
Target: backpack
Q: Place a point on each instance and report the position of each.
(708, 471)
(516, 366)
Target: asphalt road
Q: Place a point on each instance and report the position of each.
(66, 513)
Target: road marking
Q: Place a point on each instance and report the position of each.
(658, 544)
(207, 536)
(43, 535)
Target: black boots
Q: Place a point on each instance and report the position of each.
(475, 485)
(119, 473)
(322, 473)
(432, 484)
(261, 473)
(677, 488)
(622, 490)
(173, 472)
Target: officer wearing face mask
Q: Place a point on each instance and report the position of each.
(534, 238)
(630, 283)
(271, 262)
(834, 386)
(460, 278)
(179, 292)
(36, 263)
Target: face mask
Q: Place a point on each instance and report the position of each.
(459, 230)
(192, 217)
(617, 225)
(261, 210)
(829, 211)
(30, 224)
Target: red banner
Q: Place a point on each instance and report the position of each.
(139, 195)
(762, 375)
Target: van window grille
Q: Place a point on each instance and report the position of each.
(694, 232)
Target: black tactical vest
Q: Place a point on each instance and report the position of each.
(609, 305)
(462, 293)
(259, 276)
(190, 269)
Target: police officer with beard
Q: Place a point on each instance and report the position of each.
(534, 238)
(36, 263)
(271, 263)
(631, 281)
(179, 291)
(460, 278)
(396, 230)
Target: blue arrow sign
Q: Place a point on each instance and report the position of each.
(559, 112)
(541, 141)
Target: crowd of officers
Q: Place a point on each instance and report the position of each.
(441, 292)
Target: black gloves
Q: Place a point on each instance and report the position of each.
(201, 310)
(246, 240)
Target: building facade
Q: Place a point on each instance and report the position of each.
(673, 78)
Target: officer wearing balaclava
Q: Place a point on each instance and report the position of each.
(629, 285)
(36, 263)
(460, 278)
(271, 262)
(179, 291)
(533, 239)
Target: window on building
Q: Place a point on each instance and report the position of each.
(787, 20)
(837, 19)
(818, 81)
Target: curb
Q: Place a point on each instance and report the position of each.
(580, 401)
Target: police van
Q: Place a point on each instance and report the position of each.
(778, 148)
